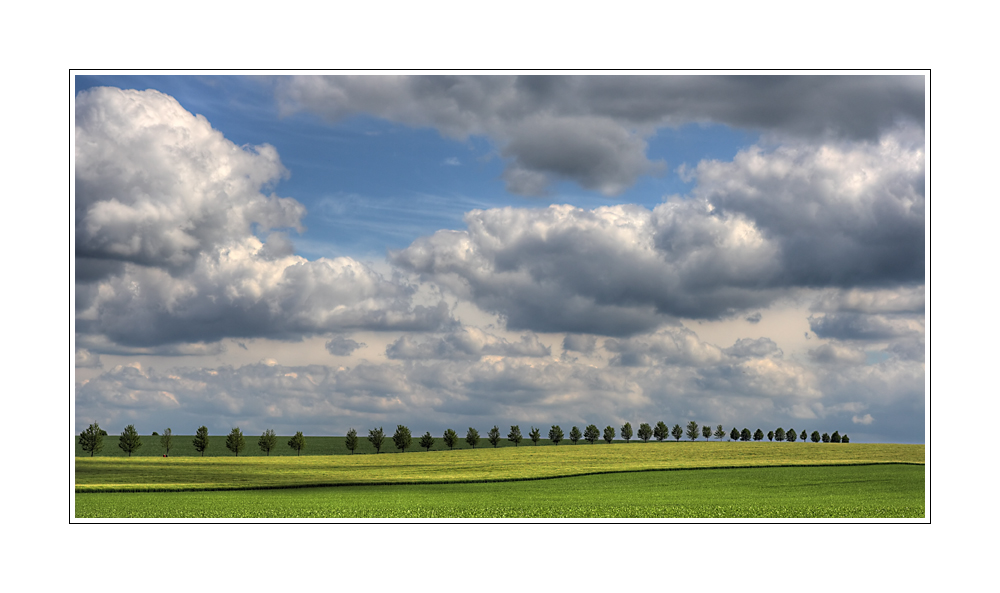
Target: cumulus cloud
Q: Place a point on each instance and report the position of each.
(341, 346)
(173, 206)
(900, 299)
(672, 346)
(753, 317)
(579, 343)
(835, 354)
(466, 343)
(754, 348)
(592, 129)
(857, 326)
(85, 359)
(866, 419)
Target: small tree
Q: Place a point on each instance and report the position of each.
(297, 442)
(826, 438)
(844, 439)
(758, 435)
(376, 437)
(802, 436)
(534, 434)
(201, 440)
(627, 432)
(770, 435)
(692, 430)
(661, 431)
(790, 435)
(472, 437)
(609, 434)
(706, 431)
(555, 434)
(745, 434)
(166, 440)
(814, 437)
(493, 436)
(779, 434)
(835, 437)
(514, 435)
(91, 439)
(235, 441)
(155, 434)
(401, 438)
(575, 435)
(591, 433)
(451, 437)
(677, 432)
(645, 432)
(734, 435)
(720, 433)
(351, 440)
(129, 440)
(267, 441)
(427, 441)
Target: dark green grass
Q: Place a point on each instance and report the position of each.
(183, 446)
(873, 491)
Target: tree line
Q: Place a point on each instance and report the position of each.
(92, 439)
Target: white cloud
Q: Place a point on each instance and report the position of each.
(866, 419)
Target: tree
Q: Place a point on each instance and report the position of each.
(645, 431)
(297, 442)
(574, 435)
(779, 434)
(802, 436)
(267, 441)
(235, 442)
(555, 434)
(351, 440)
(155, 434)
(534, 434)
(706, 431)
(129, 440)
(609, 434)
(427, 441)
(472, 437)
(166, 440)
(790, 435)
(745, 434)
(720, 433)
(835, 437)
(451, 437)
(661, 431)
(734, 435)
(591, 433)
(494, 436)
(692, 430)
(814, 437)
(758, 435)
(91, 439)
(627, 432)
(677, 432)
(826, 438)
(770, 435)
(514, 435)
(376, 437)
(844, 439)
(401, 438)
(201, 440)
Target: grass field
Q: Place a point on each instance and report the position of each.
(870, 491)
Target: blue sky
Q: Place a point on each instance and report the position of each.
(452, 251)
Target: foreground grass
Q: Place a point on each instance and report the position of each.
(110, 474)
(873, 491)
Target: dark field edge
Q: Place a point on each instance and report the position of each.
(113, 490)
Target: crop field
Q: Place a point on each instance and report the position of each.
(617, 480)
(872, 491)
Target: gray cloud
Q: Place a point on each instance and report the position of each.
(466, 343)
(579, 343)
(836, 354)
(341, 346)
(599, 123)
(857, 326)
(753, 317)
(754, 348)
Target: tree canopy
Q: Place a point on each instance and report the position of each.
(493, 436)
(692, 430)
(376, 437)
(451, 437)
(734, 435)
(166, 440)
(129, 440)
(401, 438)
(706, 431)
(720, 433)
(235, 441)
(92, 439)
(267, 441)
(514, 435)
(758, 435)
(627, 432)
(591, 433)
(575, 435)
(661, 431)
(427, 441)
(745, 434)
(677, 432)
(779, 434)
(351, 441)
(790, 435)
(472, 437)
(644, 432)
(201, 440)
(555, 434)
(609, 434)
(534, 434)
(297, 442)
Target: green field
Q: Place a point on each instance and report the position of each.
(617, 480)
(870, 491)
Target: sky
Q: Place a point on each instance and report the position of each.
(319, 253)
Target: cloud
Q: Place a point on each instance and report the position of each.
(466, 343)
(754, 348)
(857, 326)
(866, 419)
(592, 129)
(753, 317)
(451, 161)
(579, 343)
(166, 212)
(86, 359)
(900, 299)
(835, 354)
(672, 346)
(341, 346)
